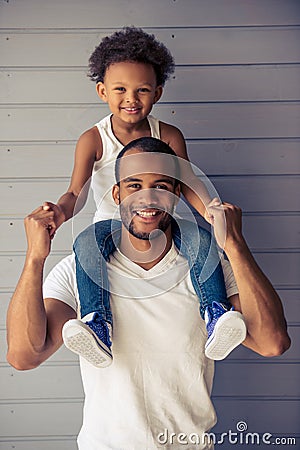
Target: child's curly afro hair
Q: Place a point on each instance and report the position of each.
(131, 44)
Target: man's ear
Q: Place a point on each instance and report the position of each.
(101, 91)
(158, 93)
(177, 192)
(116, 194)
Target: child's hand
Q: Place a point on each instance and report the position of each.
(58, 217)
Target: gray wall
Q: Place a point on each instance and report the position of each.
(235, 96)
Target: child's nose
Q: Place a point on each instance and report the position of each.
(131, 97)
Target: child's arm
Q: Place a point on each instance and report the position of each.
(196, 193)
(88, 150)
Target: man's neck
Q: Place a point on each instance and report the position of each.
(145, 253)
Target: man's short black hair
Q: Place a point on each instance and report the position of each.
(134, 45)
(149, 145)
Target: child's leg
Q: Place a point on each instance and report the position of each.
(226, 328)
(90, 337)
(91, 272)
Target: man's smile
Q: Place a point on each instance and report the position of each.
(147, 215)
(147, 212)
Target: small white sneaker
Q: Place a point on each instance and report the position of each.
(91, 340)
(225, 329)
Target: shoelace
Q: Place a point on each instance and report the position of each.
(215, 313)
(101, 329)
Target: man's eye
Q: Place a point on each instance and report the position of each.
(161, 186)
(134, 186)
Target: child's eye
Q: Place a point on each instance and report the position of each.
(120, 89)
(143, 90)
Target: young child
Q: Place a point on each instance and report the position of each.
(130, 68)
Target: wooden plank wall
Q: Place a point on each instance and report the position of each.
(236, 97)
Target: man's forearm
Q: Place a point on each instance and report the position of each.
(26, 318)
(259, 303)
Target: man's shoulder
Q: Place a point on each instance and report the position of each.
(64, 268)
(68, 262)
(60, 284)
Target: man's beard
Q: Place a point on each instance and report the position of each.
(128, 222)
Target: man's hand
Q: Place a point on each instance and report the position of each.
(257, 299)
(227, 222)
(38, 226)
(34, 324)
(58, 216)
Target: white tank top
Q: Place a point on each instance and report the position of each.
(103, 176)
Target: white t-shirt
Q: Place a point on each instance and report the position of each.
(160, 380)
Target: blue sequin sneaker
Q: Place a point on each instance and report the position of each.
(225, 330)
(91, 340)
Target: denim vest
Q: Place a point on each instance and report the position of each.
(94, 245)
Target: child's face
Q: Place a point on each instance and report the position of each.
(130, 90)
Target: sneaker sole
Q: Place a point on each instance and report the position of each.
(229, 332)
(80, 339)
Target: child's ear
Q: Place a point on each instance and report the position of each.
(158, 93)
(101, 91)
(116, 194)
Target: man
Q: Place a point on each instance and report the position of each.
(160, 378)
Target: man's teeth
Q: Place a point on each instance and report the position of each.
(146, 213)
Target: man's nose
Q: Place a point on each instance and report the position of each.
(148, 196)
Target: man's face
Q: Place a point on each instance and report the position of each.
(146, 200)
